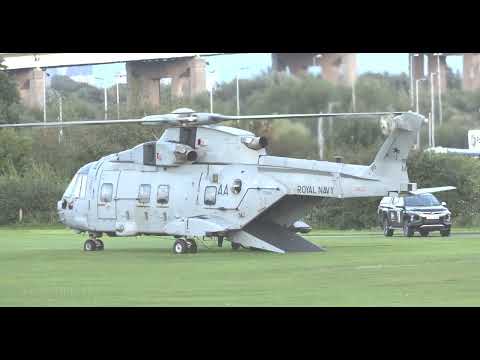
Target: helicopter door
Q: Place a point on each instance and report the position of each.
(107, 204)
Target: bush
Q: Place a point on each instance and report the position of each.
(35, 193)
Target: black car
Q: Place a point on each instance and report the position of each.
(414, 213)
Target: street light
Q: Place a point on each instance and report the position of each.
(45, 74)
(105, 96)
(411, 79)
(431, 128)
(238, 91)
(212, 82)
(60, 112)
(417, 108)
(439, 79)
(118, 94)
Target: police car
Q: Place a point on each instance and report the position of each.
(422, 213)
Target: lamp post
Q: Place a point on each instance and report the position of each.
(60, 114)
(439, 80)
(118, 94)
(417, 108)
(212, 84)
(411, 80)
(238, 91)
(431, 127)
(45, 74)
(104, 95)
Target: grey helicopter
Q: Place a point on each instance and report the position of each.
(204, 179)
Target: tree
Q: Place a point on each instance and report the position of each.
(9, 97)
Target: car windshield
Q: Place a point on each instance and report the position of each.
(422, 200)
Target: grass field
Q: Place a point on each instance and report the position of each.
(47, 267)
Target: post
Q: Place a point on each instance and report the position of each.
(60, 133)
(118, 102)
(45, 96)
(432, 99)
(105, 96)
(211, 100)
(238, 98)
(353, 96)
(321, 140)
(440, 111)
(411, 80)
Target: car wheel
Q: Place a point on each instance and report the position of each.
(407, 230)
(424, 233)
(445, 233)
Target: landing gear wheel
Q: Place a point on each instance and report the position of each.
(90, 245)
(99, 244)
(386, 230)
(407, 230)
(192, 246)
(235, 246)
(445, 233)
(424, 233)
(180, 247)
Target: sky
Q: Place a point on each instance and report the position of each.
(224, 68)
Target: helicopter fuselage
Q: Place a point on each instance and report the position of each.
(216, 181)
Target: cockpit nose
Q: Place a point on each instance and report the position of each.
(61, 206)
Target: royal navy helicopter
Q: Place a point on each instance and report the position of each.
(203, 179)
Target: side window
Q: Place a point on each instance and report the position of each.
(163, 194)
(210, 195)
(144, 193)
(106, 193)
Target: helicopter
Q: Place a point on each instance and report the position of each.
(204, 179)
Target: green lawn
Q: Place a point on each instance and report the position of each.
(47, 267)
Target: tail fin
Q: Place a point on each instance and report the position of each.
(391, 160)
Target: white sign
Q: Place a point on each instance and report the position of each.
(474, 139)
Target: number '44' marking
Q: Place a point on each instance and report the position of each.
(222, 190)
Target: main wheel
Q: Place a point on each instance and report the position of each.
(235, 246)
(192, 246)
(180, 247)
(99, 244)
(424, 233)
(407, 230)
(445, 233)
(90, 245)
(386, 230)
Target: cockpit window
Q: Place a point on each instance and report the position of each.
(422, 200)
(80, 188)
(69, 191)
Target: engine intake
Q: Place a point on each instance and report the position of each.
(185, 153)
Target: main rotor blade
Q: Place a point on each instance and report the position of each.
(191, 120)
(72, 123)
(302, 116)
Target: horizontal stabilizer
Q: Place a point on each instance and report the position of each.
(432, 190)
